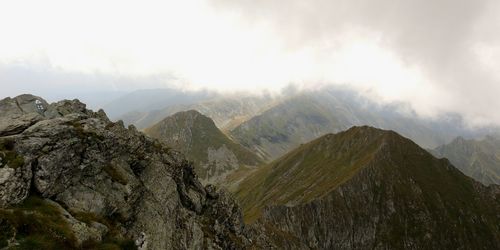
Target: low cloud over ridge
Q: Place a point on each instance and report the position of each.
(440, 56)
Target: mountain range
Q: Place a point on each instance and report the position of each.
(70, 178)
(227, 112)
(477, 158)
(309, 115)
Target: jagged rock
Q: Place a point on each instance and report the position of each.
(19, 113)
(14, 184)
(88, 165)
(82, 231)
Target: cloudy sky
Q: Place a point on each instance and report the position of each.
(438, 55)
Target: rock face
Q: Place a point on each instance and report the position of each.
(479, 159)
(368, 188)
(100, 178)
(213, 153)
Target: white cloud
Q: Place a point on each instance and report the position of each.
(438, 55)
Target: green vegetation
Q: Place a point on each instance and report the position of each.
(38, 224)
(413, 195)
(8, 157)
(202, 134)
(317, 168)
(83, 133)
(308, 172)
(112, 240)
(193, 134)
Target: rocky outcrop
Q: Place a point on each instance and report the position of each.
(88, 167)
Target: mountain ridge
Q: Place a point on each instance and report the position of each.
(308, 115)
(479, 159)
(380, 190)
(196, 135)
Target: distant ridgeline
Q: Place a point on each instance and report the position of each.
(479, 159)
(306, 116)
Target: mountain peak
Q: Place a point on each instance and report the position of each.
(197, 136)
(189, 113)
(358, 187)
(324, 164)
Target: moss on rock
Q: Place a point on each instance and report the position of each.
(8, 156)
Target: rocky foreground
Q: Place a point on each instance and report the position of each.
(71, 178)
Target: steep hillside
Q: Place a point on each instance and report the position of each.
(370, 188)
(227, 112)
(311, 114)
(213, 153)
(71, 179)
(479, 159)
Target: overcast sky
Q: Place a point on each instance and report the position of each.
(438, 55)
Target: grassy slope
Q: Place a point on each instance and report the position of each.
(316, 168)
(306, 173)
(38, 224)
(286, 126)
(204, 134)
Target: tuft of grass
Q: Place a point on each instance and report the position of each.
(113, 240)
(36, 224)
(8, 156)
(82, 133)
